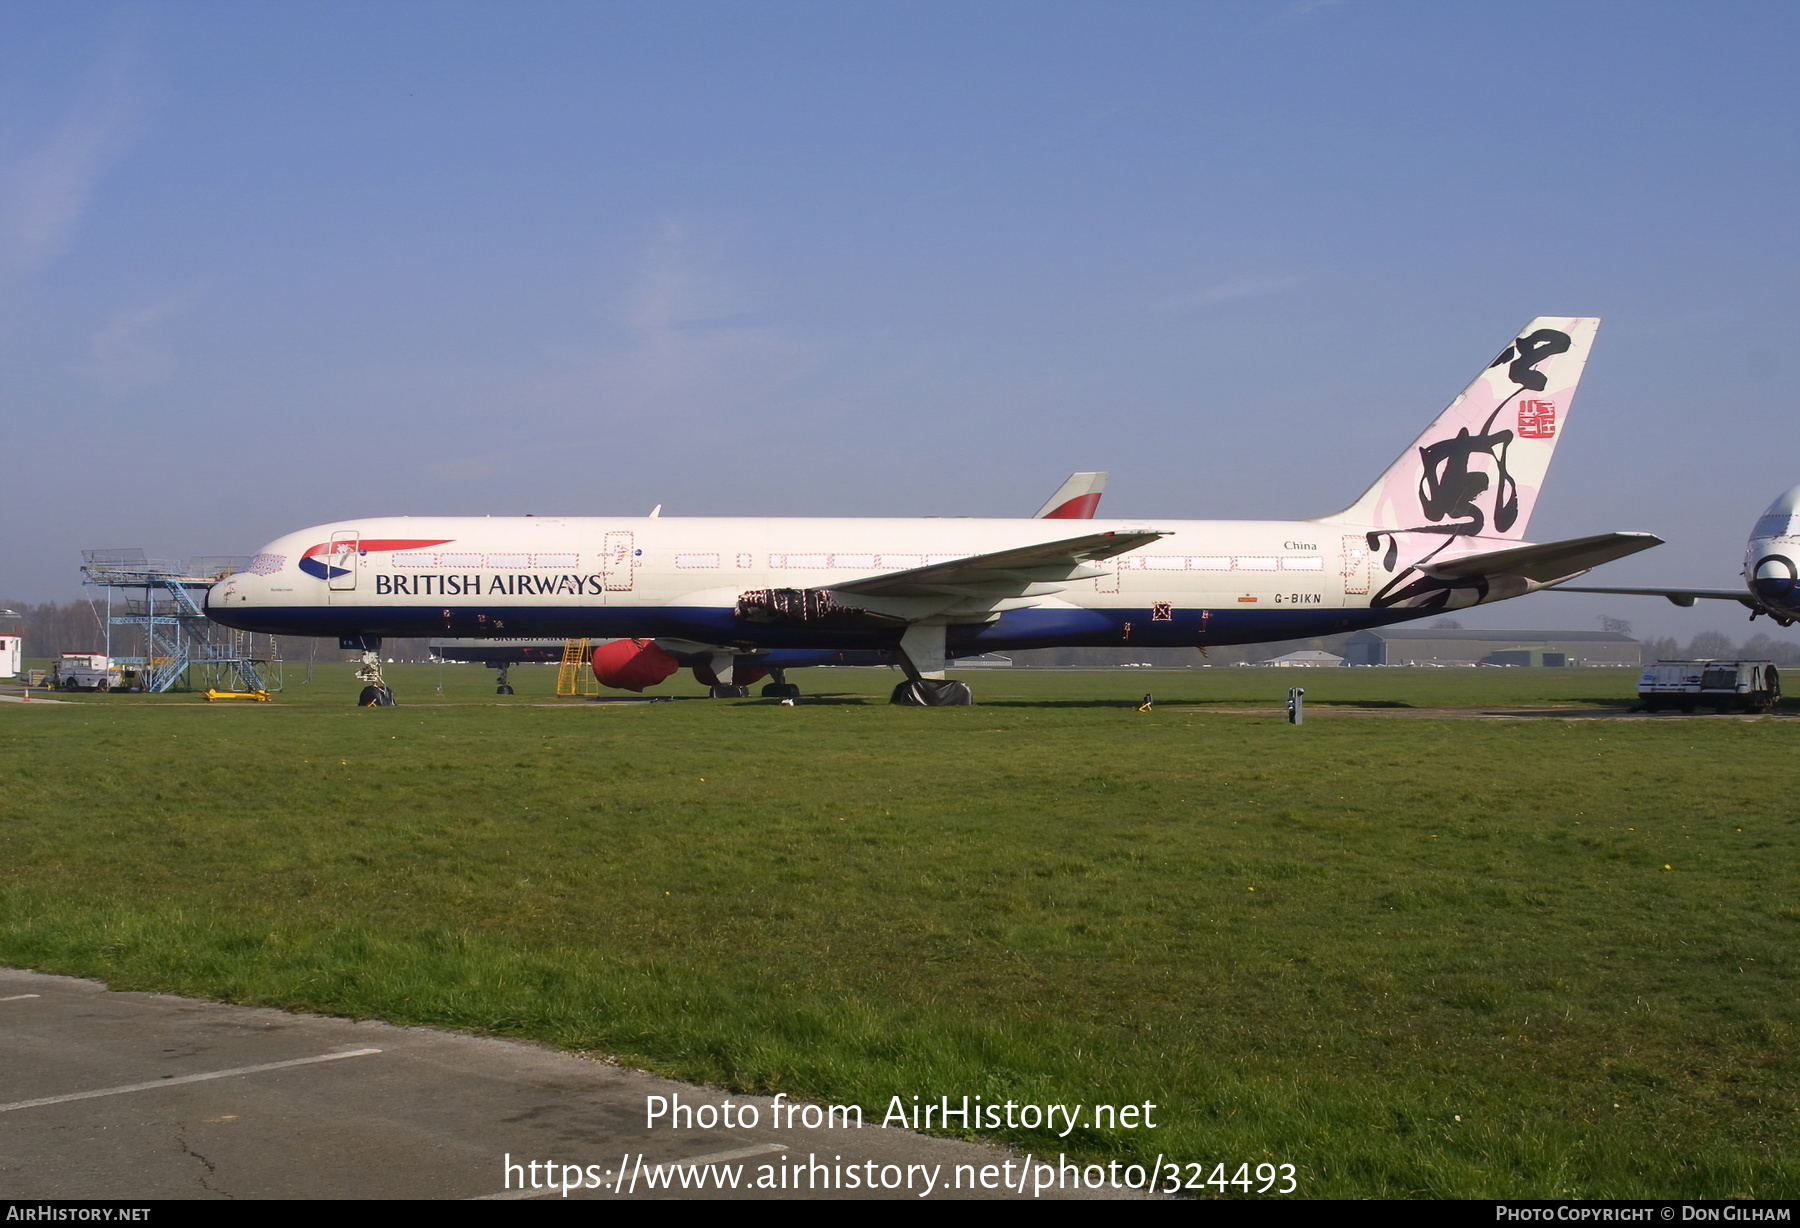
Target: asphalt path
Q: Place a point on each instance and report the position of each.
(110, 1095)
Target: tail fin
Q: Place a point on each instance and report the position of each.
(1075, 499)
(1477, 470)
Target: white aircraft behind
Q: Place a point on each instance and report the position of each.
(1442, 529)
(1771, 579)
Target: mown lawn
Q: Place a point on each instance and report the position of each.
(1413, 957)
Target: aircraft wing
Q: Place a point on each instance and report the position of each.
(1677, 596)
(1548, 563)
(1020, 572)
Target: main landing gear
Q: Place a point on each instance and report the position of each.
(933, 693)
(922, 657)
(779, 687)
(724, 674)
(501, 685)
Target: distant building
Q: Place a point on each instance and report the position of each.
(1444, 646)
(1308, 658)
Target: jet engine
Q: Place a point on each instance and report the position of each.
(632, 665)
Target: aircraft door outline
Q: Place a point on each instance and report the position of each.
(1354, 564)
(344, 560)
(618, 562)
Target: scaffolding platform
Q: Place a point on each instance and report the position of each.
(166, 600)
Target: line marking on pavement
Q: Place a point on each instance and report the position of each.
(193, 1078)
(16, 997)
(717, 1157)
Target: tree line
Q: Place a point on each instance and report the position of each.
(1717, 646)
(81, 626)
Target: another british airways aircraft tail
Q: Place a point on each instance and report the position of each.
(1477, 470)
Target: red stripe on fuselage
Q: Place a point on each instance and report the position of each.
(381, 543)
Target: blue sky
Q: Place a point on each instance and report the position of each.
(264, 266)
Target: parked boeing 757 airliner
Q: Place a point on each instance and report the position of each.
(1442, 529)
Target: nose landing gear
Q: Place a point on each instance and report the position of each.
(376, 693)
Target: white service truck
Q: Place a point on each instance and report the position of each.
(86, 671)
(1753, 686)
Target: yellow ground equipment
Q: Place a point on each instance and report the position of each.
(572, 676)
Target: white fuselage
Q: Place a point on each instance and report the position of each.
(1201, 582)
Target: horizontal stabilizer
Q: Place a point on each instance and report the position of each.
(1548, 563)
(1683, 597)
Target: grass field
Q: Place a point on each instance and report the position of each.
(1413, 957)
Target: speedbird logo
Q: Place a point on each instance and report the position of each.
(341, 555)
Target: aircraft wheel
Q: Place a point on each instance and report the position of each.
(781, 690)
(374, 696)
(1687, 706)
(729, 692)
(503, 689)
(933, 693)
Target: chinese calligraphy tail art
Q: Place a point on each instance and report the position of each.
(1445, 523)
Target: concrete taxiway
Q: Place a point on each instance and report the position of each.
(110, 1095)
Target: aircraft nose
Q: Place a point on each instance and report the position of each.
(1773, 577)
(1786, 505)
(219, 597)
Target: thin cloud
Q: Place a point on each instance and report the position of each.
(470, 467)
(1234, 288)
(689, 363)
(46, 188)
(695, 348)
(127, 353)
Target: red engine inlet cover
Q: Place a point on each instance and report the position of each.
(632, 665)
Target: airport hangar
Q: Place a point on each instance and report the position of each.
(1447, 646)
